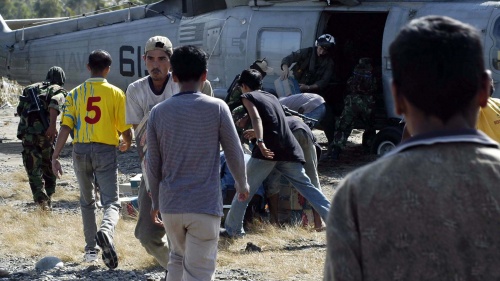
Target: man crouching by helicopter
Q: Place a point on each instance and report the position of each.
(313, 70)
(142, 96)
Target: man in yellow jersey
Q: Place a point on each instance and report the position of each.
(95, 112)
(489, 116)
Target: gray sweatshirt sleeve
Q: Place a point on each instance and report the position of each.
(153, 161)
(343, 249)
(232, 149)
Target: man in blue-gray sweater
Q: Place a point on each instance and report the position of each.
(184, 134)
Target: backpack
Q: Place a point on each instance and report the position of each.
(31, 111)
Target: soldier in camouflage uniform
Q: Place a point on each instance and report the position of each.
(37, 139)
(358, 105)
(233, 99)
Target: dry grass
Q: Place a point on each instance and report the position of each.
(288, 253)
(61, 235)
(9, 91)
(20, 190)
(64, 193)
(37, 233)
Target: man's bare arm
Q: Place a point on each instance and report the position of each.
(257, 126)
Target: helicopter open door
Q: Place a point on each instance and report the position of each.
(366, 34)
(357, 35)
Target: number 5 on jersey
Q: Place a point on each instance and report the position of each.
(91, 106)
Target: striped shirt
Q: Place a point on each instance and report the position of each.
(183, 161)
(95, 111)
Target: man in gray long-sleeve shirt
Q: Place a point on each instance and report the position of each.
(184, 134)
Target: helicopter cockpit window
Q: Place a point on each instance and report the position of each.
(495, 55)
(274, 44)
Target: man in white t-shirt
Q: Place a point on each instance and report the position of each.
(142, 96)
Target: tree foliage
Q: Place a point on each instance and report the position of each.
(15, 9)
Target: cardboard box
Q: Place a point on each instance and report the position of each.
(129, 207)
(292, 208)
(125, 190)
(289, 197)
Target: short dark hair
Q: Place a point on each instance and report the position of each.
(437, 65)
(252, 78)
(99, 60)
(188, 63)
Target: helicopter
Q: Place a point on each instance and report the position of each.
(234, 33)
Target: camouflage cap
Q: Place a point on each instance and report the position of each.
(364, 66)
(56, 76)
(238, 113)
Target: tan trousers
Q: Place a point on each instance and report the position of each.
(193, 246)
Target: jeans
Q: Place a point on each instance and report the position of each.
(97, 159)
(318, 113)
(257, 172)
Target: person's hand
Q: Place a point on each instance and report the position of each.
(56, 168)
(243, 194)
(124, 145)
(285, 73)
(266, 152)
(51, 133)
(156, 218)
(304, 88)
(249, 134)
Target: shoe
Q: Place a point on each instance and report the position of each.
(109, 256)
(45, 205)
(91, 255)
(223, 233)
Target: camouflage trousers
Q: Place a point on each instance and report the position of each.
(37, 154)
(357, 108)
